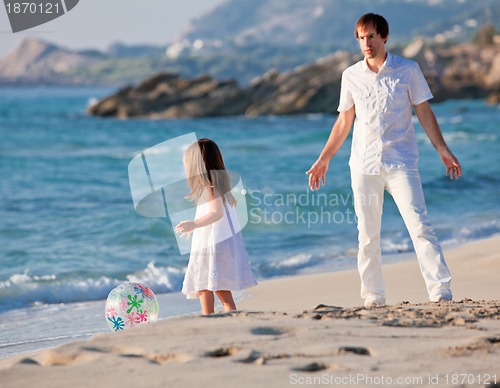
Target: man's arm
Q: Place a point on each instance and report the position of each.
(340, 130)
(431, 127)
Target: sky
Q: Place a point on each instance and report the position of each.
(99, 23)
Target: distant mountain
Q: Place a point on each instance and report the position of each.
(36, 61)
(316, 22)
(243, 39)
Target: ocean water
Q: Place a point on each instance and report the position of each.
(69, 232)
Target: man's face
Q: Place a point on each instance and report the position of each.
(370, 42)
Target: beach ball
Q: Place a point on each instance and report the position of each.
(130, 305)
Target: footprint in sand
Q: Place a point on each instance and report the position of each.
(354, 349)
(267, 330)
(221, 352)
(311, 367)
(60, 358)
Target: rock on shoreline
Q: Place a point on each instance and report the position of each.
(461, 71)
(167, 95)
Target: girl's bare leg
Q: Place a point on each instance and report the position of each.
(207, 302)
(226, 299)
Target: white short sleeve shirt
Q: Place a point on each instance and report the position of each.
(383, 130)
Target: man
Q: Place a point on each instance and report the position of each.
(379, 92)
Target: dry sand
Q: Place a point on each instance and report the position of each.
(302, 331)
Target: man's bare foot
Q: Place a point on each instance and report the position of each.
(373, 303)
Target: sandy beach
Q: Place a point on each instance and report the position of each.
(307, 330)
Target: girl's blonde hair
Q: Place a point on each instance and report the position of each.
(205, 168)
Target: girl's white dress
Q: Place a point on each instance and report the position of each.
(218, 259)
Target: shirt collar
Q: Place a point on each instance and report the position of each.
(389, 63)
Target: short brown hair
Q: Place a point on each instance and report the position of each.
(375, 20)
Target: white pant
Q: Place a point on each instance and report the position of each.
(405, 187)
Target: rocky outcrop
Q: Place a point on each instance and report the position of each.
(312, 88)
(167, 95)
(462, 71)
(308, 89)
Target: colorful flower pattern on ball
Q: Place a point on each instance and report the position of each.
(117, 323)
(130, 305)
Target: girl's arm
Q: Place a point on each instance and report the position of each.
(215, 213)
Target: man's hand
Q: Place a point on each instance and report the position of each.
(431, 127)
(317, 174)
(453, 167)
(340, 130)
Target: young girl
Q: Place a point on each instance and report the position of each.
(218, 261)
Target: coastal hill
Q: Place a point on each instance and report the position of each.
(459, 71)
(243, 39)
(35, 61)
(331, 22)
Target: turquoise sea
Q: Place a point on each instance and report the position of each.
(69, 232)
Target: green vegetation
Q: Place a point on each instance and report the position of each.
(119, 70)
(240, 63)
